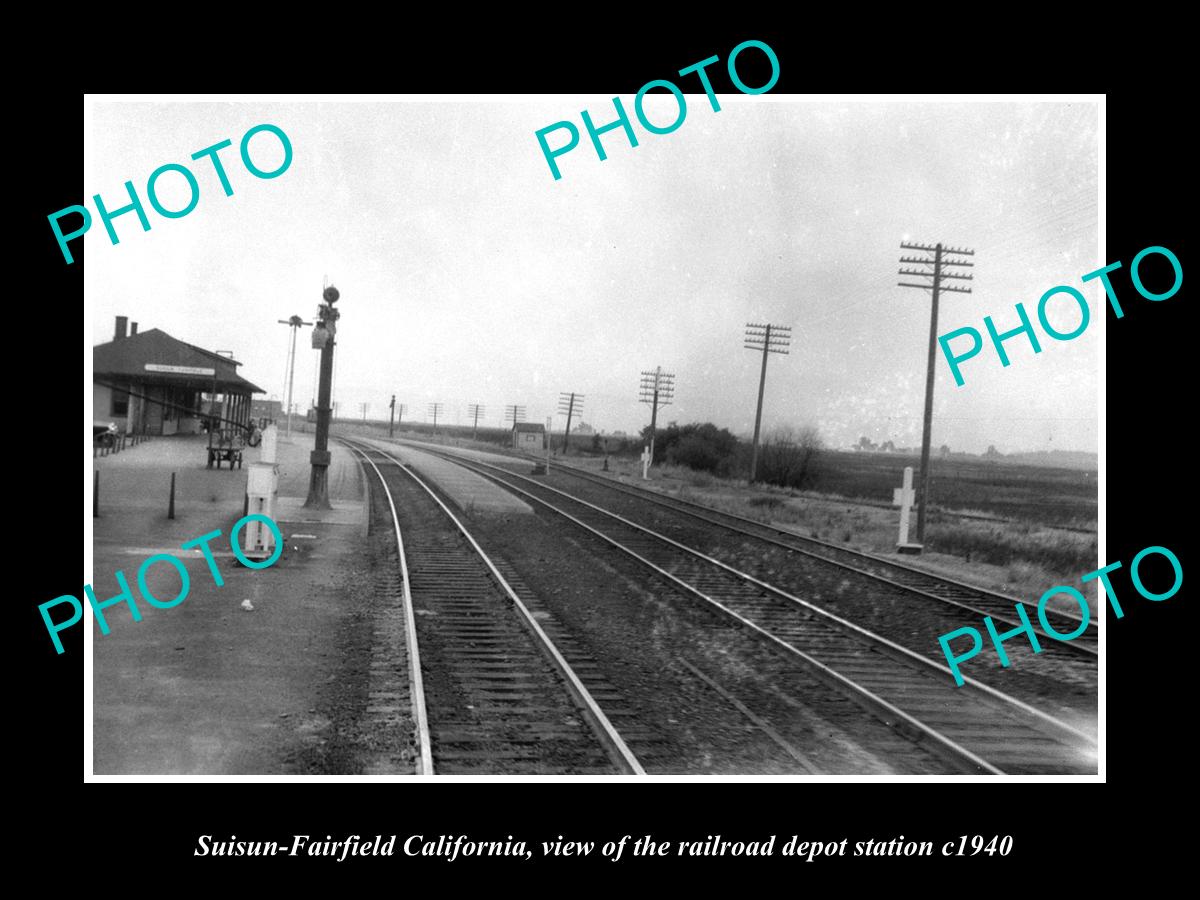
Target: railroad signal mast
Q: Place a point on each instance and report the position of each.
(934, 270)
(435, 410)
(657, 389)
(323, 339)
(567, 404)
(769, 339)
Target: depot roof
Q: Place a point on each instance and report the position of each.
(155, 356)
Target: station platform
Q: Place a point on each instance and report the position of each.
(211, 686)
(468, 490)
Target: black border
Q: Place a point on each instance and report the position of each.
(1147, 679)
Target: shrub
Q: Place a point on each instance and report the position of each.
(703, 447)
(788, 457)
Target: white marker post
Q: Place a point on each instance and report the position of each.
(904, 497)
(549, 422)
(645, 463)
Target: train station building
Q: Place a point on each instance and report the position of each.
(152, 383)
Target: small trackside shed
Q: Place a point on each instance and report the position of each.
(528, 436)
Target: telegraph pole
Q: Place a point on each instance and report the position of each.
(568, 403)
(770, 339)
(515, 413)
(295, 323)
(392, 417)
(323, 339)
(435, 410)
(364, 410)
(475, 410)
(935, 274)
(657, 389)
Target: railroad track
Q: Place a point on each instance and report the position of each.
(977, 728)
(932, 588)
(490, 691)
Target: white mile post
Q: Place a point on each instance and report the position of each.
(903, 497)
(645, 463)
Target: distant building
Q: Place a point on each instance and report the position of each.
(152, 383)
(529, 436)
(266, 411)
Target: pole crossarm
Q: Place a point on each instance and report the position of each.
(937, 247)
(930, 275)
(929, 262)
(569, 402)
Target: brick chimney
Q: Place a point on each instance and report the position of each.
(122, 321)
(132, 328)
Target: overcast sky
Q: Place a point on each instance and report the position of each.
(468, 274)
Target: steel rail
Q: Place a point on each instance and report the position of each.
(1043, 720)
(670, 502)
(416, 685)
(680, 505)
(617, 749)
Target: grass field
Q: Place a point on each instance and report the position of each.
(1038, 495)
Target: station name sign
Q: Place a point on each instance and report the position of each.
(180, 370)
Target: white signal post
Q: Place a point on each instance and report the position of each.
(903, 497)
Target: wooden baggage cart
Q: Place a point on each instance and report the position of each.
(225, 446)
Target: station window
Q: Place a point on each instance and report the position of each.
(120, 402)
